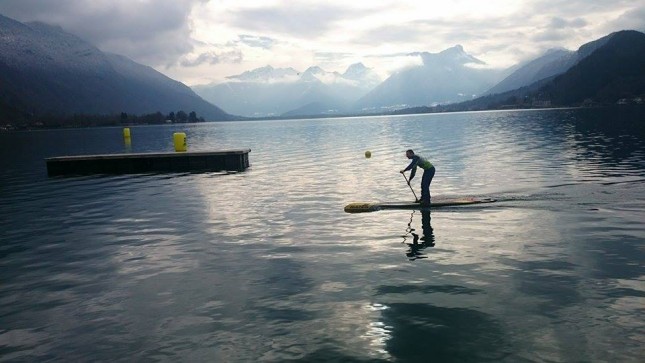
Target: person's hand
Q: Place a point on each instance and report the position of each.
(402, 171)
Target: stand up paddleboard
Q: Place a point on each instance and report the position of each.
(373, 207)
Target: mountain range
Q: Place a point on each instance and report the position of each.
(47, 71)
(445, 77)
(448, 76)
(269, 91)
(552, 63)
(613, 68)
(609, 70)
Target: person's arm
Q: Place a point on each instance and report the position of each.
(413, 171)
(412, 166)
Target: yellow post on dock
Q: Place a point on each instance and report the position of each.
(179, 139)
(127, 140)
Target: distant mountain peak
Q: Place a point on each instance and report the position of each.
(265, 74)
(363, 75)
(356, 71)
(358, 65)
(314, 70)
(313, 91)
(455, 55)
(555, 50)
(317, 74)
(552, 62)
(458, 54)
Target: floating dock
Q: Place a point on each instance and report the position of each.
(171, 162)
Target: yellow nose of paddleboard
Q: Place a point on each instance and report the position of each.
(360, 207)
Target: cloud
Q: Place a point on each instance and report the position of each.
(578, 7)
(200, 40)
(257, 41)
(561, 23)
(152, 32)
(389, 64)
(212, 57)
(633, 19)
(437, 34)
(393, 33)
(324, 58)
(558, 29)
(550, 35)
(294, 19)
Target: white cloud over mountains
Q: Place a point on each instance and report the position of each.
(197, 41)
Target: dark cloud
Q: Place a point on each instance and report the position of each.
(561, 23)
(551, 35)
(558, 29)
(633, 19)
(298, 20)
(153, 32)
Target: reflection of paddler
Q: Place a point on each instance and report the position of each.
(426, 227)
(426, 179)
(427, 239)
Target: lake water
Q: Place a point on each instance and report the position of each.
(265, 265)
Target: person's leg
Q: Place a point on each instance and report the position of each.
(425, 184)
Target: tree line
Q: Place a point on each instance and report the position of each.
(88, 120)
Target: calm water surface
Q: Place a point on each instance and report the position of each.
(265, 266)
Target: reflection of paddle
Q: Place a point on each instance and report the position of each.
(407, 181)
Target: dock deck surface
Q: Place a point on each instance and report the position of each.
(134, 163)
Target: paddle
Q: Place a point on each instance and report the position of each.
(407, 181)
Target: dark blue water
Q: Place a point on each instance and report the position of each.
(264, 265)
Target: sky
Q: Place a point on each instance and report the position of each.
(204, 41)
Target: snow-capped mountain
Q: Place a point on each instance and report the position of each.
(553, 62)
(45, 70)
(550, 64)
(365, 77)
(267, 74)
(269, 91)
(606, 71)
(448, 76)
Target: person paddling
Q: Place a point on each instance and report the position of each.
(426, 179)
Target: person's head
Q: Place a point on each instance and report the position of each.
(409, 154)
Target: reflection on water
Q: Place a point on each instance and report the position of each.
(447, 334)
(415, 247)
(264, 265)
